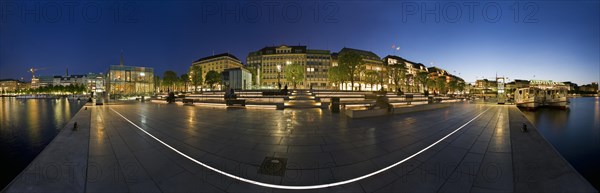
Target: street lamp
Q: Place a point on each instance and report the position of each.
(279, 76)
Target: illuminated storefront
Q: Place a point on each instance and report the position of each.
(130, 80)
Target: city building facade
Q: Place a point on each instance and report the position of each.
(217, 63)
(130, 80)
(271, 63)
(589, 88)
(485, 87)
(412, 70)
(13, 86)
(59, 80)
(96, 83)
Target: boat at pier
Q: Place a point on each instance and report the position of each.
(528, 97)
(556, 98)
(542, 93)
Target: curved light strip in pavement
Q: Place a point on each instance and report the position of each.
(298, 187)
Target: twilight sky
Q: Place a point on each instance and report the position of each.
(557, 40)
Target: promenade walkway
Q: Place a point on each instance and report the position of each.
(153, 148)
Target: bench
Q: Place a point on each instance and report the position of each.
(231, 102)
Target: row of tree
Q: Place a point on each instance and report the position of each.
(351, 68)
(58, 89)
(171, 82)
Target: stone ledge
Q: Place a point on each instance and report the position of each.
(399, 110)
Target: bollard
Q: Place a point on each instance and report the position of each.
(334, 106)
(524, 128)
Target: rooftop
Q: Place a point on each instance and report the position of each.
(361, 52)
(217, 56)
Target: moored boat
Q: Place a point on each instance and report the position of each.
(528, 97)
(556, 97)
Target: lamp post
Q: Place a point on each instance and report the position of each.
(279, 76)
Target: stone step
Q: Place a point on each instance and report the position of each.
(301, 97)
(294, 104)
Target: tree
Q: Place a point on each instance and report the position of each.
(422, 78)
(371, 77)
(440, 84)
(212, 78)
(196, 76)
(461, 86)
(185, 79)
(294, 73)
(157, 83)
(352, 64)
(337, 75)
(170, 79)
(254, 72)
(430, 84)
(410, 78)
(453, 85)
(397, 73)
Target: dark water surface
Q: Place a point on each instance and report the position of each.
(575, 133)
(26, 127)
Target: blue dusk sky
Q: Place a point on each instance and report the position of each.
(547, 40)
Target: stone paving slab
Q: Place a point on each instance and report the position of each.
(487, 155)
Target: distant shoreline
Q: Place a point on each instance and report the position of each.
(45, 96)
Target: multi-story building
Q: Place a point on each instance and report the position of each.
(435, 72)
(318, 63)
(95, 82)
(372, 63)
(12, 85)
(43, 81)
(590, 88)
(217, 63)
(59, 80)
(412, 69)
(485, 87)
(271, 62)
(572, 87)
(70, 80)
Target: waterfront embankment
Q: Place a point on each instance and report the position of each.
(152, 147)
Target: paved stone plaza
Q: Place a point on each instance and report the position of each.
(490, 154)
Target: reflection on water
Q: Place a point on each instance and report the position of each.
(575, 133)
(26, 127)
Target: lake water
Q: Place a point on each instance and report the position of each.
(26, 127)
(575, 133)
